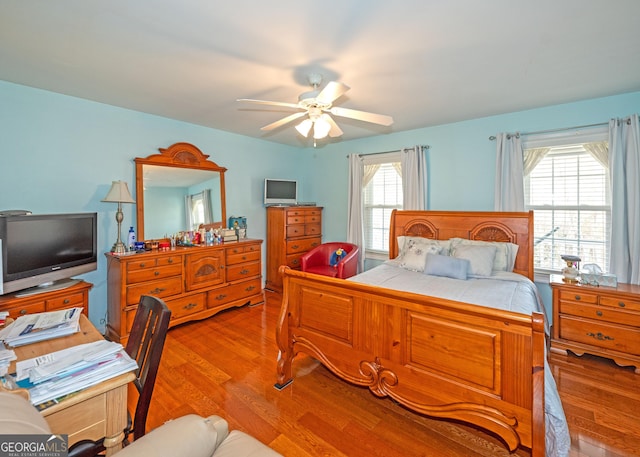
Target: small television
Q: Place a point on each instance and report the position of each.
(42, 252)
(280, 192)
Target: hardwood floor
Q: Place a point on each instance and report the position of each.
(225, 365)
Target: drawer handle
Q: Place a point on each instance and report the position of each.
(170, 260)
(295, 246)
(295, 262)
(314, 244)
(221, 297)
(600, 336)
(621, 304)
(578, 297)
(23, 312)
(142, 265)
(156, 273)
(190, 305)
(244, 271)
(244, 257)
(598, 313)
(66, 301)
(250, 288)
(157, 290)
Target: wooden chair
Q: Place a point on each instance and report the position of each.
(145, 345)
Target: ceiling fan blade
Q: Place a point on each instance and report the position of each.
(283, 121)
(335, 131)
(265, 102)
(362, 115)
(332, 91)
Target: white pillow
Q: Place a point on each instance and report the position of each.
(505, 252)
(402, 240)
(414, 255)
(480, 257)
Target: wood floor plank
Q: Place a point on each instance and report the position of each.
(226, 365)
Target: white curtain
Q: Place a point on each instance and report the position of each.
(414, 178)
(624, 169)
(188, 215)
(355, 227)
(509, 184)
(206, 203)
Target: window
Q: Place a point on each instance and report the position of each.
(382, 194)
(568, 190)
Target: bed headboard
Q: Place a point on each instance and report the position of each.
(516, 227)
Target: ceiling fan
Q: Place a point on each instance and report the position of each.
(316, 106)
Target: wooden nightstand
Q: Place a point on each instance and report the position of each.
(603, 321)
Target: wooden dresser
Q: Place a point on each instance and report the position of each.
(74, 296)
(603, 321)
(195, 282)
(291, 231)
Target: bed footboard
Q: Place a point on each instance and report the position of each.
(437, 357)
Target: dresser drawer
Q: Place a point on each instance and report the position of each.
(293, 219)
(242, 257)
(185, 306)
(240, 248)
(31, 308)
(312, 218)
(312, 229)
(302, 245)
(160, 288)
(294, 231)
(620, 303)
(293, 261)
(139, 274)
(600, 313)
(70, 301)
(600, 334)
(234, 292)
(154, 262)
(578, 296)
(243, 271)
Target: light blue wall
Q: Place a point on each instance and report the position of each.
(60, 154)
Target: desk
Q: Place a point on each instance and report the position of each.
(96, 412)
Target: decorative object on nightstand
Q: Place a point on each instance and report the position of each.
(119, 193)
(572, 270)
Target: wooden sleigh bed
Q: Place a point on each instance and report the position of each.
(435, 356)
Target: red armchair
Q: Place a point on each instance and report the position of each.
(318, 260)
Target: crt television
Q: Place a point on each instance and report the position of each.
(280, 192)
(41, 252)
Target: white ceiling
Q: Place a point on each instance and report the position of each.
(424, 62)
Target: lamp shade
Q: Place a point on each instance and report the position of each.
(321, 127)
(304, 127)
(119, 193)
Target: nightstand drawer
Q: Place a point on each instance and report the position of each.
(620, 303)
(581, 297)
(600, 313)
(608, 336)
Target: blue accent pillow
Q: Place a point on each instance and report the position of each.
(443, 265)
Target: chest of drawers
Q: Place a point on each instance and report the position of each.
(75, 296)
(602, 321)
(194, 282)
(291, 232)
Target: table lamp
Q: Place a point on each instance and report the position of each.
(119, 193)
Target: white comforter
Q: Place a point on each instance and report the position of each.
(507, 291)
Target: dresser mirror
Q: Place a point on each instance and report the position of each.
(176, 191)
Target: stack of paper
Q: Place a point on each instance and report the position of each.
(31, 328)
(60, 373)
(6, 356)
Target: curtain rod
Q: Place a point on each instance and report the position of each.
(426, 146)
(492, 137)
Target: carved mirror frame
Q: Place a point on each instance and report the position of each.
(178, 155)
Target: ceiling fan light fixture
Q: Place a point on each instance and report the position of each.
(321, 128)
(304, 127)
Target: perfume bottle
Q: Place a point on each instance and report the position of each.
(131, 242)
